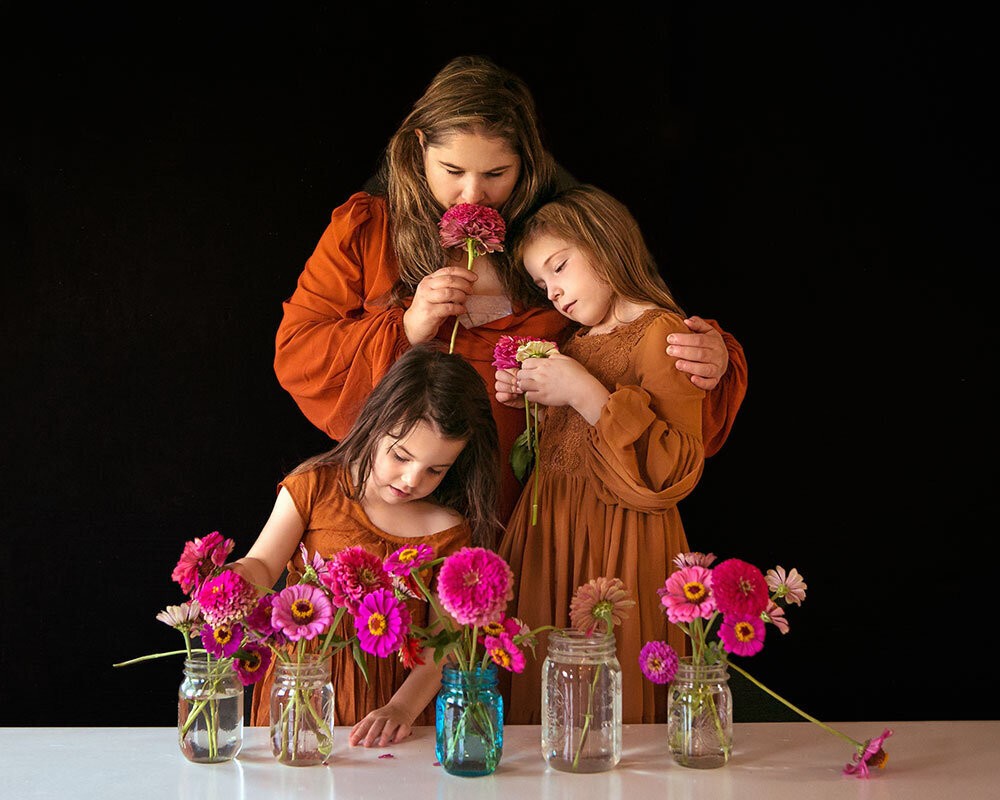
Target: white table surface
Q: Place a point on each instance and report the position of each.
(952, 760)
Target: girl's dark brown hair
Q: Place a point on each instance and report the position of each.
(470, 95)
(427, 384)
(604, 229)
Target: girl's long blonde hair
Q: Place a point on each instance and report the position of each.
(470, 95)
(610, 237)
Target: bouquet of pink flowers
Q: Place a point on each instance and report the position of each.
(744, 601)
(510, 352)
(479, 229)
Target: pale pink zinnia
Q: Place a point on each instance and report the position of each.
(301, 612)
(475, 585)
(742, 634)
(183, 617)
(483, 225)
(200, 558)
(504, 653)
(535, 348)
(791, 586)
(739, 588)
(382, 623)
(687, 595)
(775, 614)
(353, 574)
(227, 598)
(694, 560)
(600, 600)
(873, 754)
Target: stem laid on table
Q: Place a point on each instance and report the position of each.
(468, 246)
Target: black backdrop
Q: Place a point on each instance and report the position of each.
(815, 180)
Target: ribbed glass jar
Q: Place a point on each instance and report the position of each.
(581, 703)
(469, 721)
(210, 710)
(700, 715)
(302, 711)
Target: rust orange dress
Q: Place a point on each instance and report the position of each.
(608, 503)
(334, 521)
(339, 335)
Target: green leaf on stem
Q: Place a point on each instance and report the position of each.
(522, 455)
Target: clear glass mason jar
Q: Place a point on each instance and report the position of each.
(700, 715)
(581, 703)
(302, 711)
(210, 710)
(469, 721)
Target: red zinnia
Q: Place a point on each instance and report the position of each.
(739, 588)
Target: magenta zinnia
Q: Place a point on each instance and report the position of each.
(742, 634)
(200, 558)
(739, 588)
(505, 352)
(483, 225)
(226, 598)
(600, 600)
(222, 641)
(873, 754)
(504, 653)
(474, 586)
(658, 662)
(382, 623)
(301, 612)
(353, 574)
(687, 595)
(252, 662)
(408, 558)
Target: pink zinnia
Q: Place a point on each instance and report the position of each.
(200, 558)
(742, 634)
(658, 662)
(252, 663)
(466, 221)
(301, 612)
(317, 562)
(408, 558)
(739, 588)
(505, 352)
(694, 560)
(504, 653)
(775, 614)
(687, 595)
(222, 641)
(873, 754)
(474, 586)
(791, 586)
(226, 598)
(599, 600)
(353, 574)
(382, 623)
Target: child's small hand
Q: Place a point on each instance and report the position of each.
(507, 391)
(383, 726)
(562, 381)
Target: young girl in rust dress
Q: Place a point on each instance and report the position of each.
(621, 441)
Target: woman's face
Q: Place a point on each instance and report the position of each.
(470, 168)
(564, 273)
(412, 467)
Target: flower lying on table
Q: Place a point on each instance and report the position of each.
(695, 595)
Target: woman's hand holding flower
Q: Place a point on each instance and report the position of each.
(701, 353)
(562, 381)
(439, 295)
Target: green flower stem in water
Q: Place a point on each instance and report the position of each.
(796, 709)
(588, 716)
(468, 246)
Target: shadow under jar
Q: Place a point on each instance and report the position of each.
(581, 703)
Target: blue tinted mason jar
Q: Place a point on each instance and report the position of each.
(469, 721)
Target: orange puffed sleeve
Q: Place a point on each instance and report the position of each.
(338, 335)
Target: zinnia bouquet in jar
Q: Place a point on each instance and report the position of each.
(478, 229)
(743, 601)
(510, 352)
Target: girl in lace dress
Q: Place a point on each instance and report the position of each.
(621, 442)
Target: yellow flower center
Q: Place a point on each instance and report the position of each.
(376, 624)
(408, 554)
(500, 656)
(493, 629)
(222, 634)
(252, 662)
(744, 631)
(654, 664)
(694, 591)
(302, 610)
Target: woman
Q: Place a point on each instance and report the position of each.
(379, 282)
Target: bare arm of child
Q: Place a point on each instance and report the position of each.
(393, 722)
(275, 545)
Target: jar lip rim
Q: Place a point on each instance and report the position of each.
(578, 635)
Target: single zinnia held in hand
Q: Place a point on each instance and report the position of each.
(467, 221)
(600, 600)
(474, 586)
